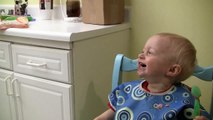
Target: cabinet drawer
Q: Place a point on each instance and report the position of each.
(42, 62)
(5, 55)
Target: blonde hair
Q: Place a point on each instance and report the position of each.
(184, 54)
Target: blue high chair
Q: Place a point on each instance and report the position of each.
(124, 64)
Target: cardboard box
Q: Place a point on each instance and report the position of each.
(103, 12)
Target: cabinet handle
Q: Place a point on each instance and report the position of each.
(8, 85)
(15, 87)
(31, 63)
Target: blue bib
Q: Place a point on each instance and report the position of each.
(131, 102)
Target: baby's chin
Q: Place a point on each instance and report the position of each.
(140, 74)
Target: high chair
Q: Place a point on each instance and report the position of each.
(124, 64)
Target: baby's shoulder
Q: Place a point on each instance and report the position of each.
(183, 87)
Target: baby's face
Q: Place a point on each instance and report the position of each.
(154, 60)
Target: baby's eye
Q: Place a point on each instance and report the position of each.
(149, 52)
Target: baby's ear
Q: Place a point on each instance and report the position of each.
(174, 70)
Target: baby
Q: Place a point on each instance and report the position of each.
(165, 61)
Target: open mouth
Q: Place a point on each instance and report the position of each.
(142, 64)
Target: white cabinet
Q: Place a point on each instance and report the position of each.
(24, 97)
(7, 106)
(58, 69)
(40, 99)
(30, 98)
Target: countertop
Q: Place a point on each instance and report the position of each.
(59, 30)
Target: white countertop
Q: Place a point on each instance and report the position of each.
(59, 30)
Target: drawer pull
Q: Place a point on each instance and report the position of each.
(8, 85)
(31, 63)
(15, 87)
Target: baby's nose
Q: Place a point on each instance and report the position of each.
(141, 56)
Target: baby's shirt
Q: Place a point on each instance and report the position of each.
(131, 101)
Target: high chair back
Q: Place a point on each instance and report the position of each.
(124, 64)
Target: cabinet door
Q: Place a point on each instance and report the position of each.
(41, 99)
(7, 108)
